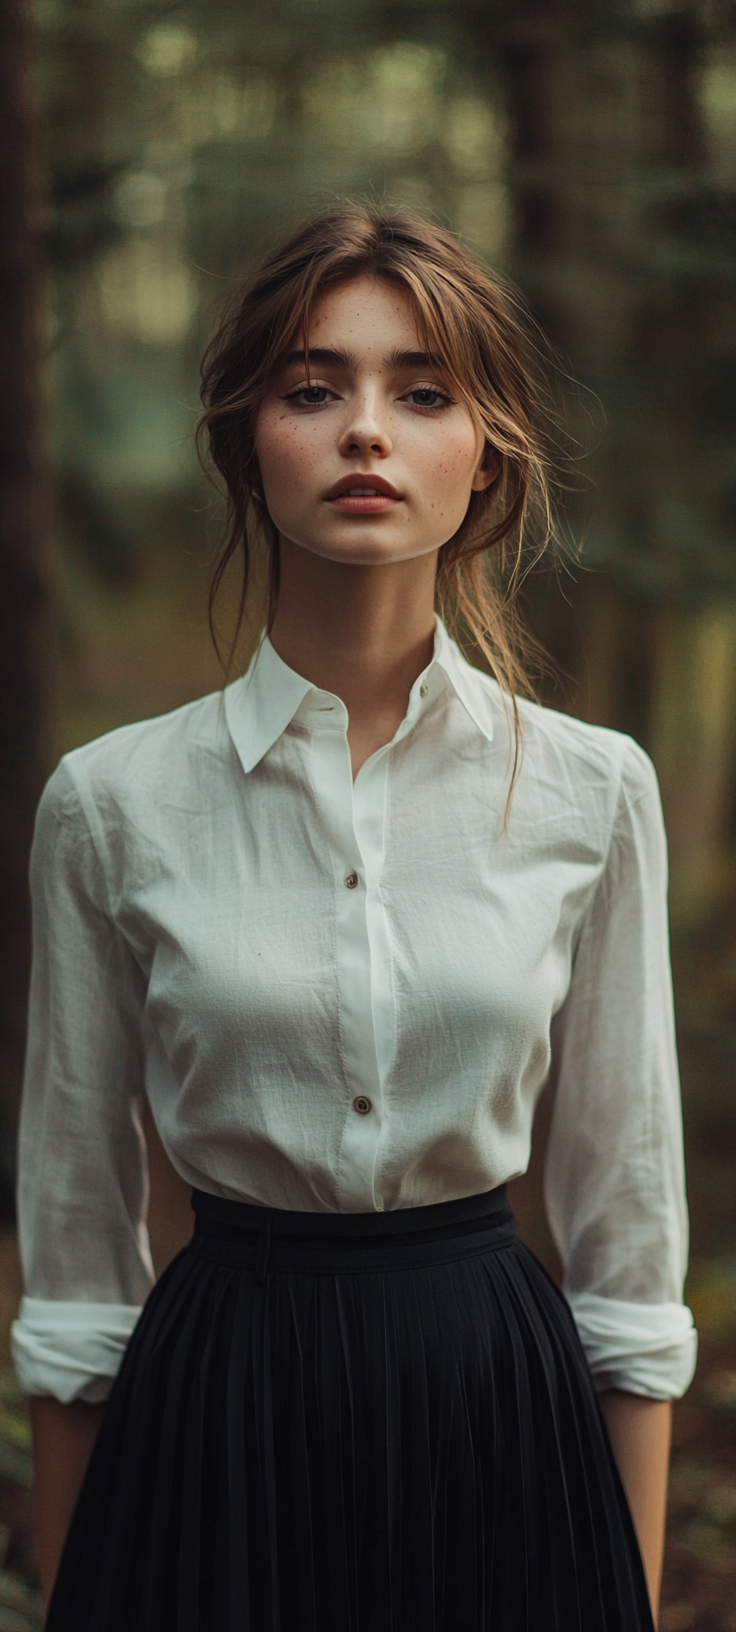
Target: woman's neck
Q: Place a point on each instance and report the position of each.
(361, 632)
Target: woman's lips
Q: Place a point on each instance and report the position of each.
(363, 498)
(363, 504)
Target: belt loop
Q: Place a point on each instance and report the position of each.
(264, 1246)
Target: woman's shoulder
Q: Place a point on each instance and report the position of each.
(550, 738)
(587, 784)
(592, 750)
(573, 769)
(149, 761)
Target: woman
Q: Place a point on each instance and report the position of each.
(339, 924)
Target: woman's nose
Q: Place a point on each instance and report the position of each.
(366, 432)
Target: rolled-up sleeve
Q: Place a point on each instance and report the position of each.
(83, 1184)
(614, 1180)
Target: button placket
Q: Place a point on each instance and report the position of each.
(370, 793)
(333, 786)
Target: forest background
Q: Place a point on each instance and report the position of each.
(151, 152)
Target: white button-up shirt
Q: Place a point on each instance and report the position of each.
(346, 996)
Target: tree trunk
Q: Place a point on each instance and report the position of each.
(24, 635)
(596, 114)
(693, 738)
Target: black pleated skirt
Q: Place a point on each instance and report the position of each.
(353, 1423)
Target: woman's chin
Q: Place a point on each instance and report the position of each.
(370, 550)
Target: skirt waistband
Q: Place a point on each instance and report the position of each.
(275, 1239)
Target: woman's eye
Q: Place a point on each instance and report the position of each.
(427, 396)
(310, 396)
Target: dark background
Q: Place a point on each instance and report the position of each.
(150, 151)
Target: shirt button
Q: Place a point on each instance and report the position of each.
(352, 881)
(423, 690)
(362, 1105)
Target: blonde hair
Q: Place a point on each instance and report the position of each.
(478, 327)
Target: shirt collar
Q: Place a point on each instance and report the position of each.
(469, 685)
(261, 704)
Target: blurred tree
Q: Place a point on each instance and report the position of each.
(24, 626)
(627, 248)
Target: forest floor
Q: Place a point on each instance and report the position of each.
(699, 1588)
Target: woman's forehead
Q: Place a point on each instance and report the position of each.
(361, 310)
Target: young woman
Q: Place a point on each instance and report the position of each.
(339, 924)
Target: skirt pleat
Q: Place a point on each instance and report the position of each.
(337, 1428)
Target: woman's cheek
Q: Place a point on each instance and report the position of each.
(450, 480)
(283, 459)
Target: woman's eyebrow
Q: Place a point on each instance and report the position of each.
(414, 359)
(328, 357)
(332, 357)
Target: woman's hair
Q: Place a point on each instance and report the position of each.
(477, 326)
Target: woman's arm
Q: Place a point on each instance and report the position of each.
(63, 1437)
(639, 1431)
(82, 1190)
(614, 1167)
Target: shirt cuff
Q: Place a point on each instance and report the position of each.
(642, 1348)
(70, 1350)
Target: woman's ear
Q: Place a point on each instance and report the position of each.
(487, 471)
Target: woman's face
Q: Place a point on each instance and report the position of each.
(372, 458)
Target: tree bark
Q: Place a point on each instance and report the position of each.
(693, 742)
(24, 635)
